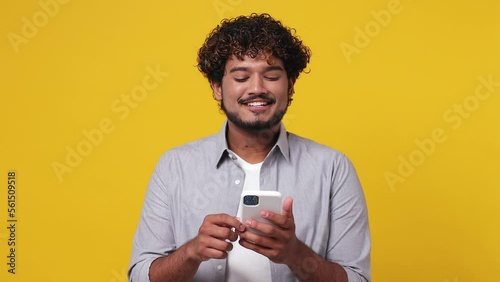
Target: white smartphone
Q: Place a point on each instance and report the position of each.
(253, 202)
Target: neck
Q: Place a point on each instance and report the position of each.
(251, 145)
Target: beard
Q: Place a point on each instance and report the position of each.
(255, 125)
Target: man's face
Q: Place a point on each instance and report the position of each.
(254, 92)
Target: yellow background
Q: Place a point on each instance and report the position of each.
(439, 224)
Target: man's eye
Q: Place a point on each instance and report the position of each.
(241, 79)
(272, 78)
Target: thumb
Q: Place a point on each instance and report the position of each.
(287, 207)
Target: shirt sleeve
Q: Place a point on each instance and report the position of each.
(349, 243)
(154, 234)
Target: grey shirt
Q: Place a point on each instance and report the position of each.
(203, 177)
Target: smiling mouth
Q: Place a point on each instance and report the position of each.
(257, 104)
(258, 101)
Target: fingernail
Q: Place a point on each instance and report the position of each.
(264, 214)
(248, 223)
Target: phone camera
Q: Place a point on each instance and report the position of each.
(251, 200)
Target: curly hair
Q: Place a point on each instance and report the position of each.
(251, 36)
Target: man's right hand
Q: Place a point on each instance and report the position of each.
(212, 242)
(214, 237)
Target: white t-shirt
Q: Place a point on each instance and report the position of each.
(244, 265)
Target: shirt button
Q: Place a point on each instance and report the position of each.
(237, 182)
(219, 267)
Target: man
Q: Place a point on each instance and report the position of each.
(189, 229)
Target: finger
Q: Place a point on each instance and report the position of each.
(287, 208)
(209, 248)
(276, 219)
(218, 245)
(225, 220)
(210, 253)
(232, 236)
(250, 245)
(268, 229)
(218, 232)
(283, 220)
(256, 248)
(257, 239)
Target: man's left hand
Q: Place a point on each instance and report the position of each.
(280, 243)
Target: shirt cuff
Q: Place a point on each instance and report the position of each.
(142, 274)
(353, 276)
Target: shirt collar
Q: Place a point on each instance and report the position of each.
(222, 148)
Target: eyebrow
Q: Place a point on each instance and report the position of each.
(269, 68)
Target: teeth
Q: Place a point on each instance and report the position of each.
(257, 104)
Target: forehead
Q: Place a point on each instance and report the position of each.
(259, 62)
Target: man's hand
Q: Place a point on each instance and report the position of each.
(280, 244)
(213, 241)
(214, 237)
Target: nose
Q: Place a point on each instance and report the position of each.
(257, 85)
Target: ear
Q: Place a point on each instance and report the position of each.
(291, 89)
(217, 90)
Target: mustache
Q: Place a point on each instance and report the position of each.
(260, 97)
